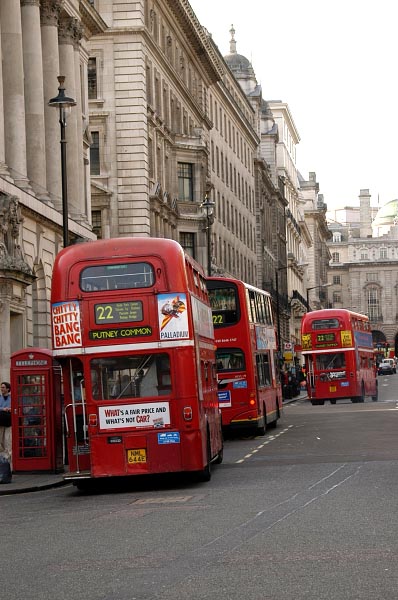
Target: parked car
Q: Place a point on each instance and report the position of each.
(386, 367)
(393, 363)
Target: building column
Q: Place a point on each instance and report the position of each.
(49, 16)
(68, 35)
(13, 86)
(81, 213)
(5, 339)
(3, 167)
(34, 110)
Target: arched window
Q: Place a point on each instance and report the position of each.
(373, 301)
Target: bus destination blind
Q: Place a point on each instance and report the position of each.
(118, 312)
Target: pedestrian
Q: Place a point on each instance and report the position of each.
(5, 430)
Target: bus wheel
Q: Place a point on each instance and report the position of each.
(262, 428)
(85, 485)
(376, 396)
(205, 475)
(274, 423)
(220, 456)
(333, 401)
(361, 398)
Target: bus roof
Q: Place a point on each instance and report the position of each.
(330, 313)
(240, 282)
(169, 252)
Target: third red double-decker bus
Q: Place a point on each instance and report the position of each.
(132, 329)
(338, 349)
(249, 394)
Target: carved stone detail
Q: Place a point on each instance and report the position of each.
(11, 253)
(70, 31)
(50, 11)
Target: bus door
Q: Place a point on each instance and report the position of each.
(310, 376)
(36, 411)
(76, 429)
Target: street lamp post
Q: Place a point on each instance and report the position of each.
(315, 287)
(208, 205)
(62, 102)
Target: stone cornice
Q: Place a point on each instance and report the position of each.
(92, 21)
(198, 37)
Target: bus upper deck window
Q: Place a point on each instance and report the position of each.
(124, 276)
(325, 324)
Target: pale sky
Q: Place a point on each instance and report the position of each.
(335, 63)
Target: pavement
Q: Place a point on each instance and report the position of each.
(31, 482)
(26, 482)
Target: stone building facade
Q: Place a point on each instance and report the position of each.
(173, 128)
(364, 269)
(39, 40)
(318, 253)
(270, 197)
(297, 236)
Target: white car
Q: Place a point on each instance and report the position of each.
(387, 367)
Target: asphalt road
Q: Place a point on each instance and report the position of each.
(309, 511)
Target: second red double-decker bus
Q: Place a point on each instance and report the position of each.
(249, 394)
(132, 329)
(338, 349)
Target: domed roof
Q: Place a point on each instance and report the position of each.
(387, 214)
(238, 64)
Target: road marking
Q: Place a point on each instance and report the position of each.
(269, 439)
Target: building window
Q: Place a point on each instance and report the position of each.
(336, 279)
(336, 297)
(336, 236)
(96, 221)
(92, 78)
(372, 277)
(383, 252)
(373, 303)
(95, 154)
(187, 241)
(185, 181)
(364, 255)
(335, 257)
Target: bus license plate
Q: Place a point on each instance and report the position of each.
(137, 455)
(332, 388)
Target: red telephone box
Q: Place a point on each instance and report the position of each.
(36, 411)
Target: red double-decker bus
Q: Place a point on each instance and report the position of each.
(250, 395)
(339, 357)
(132, 329)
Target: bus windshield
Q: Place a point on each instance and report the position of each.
(224, 305)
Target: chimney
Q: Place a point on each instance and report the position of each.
(365, 214)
